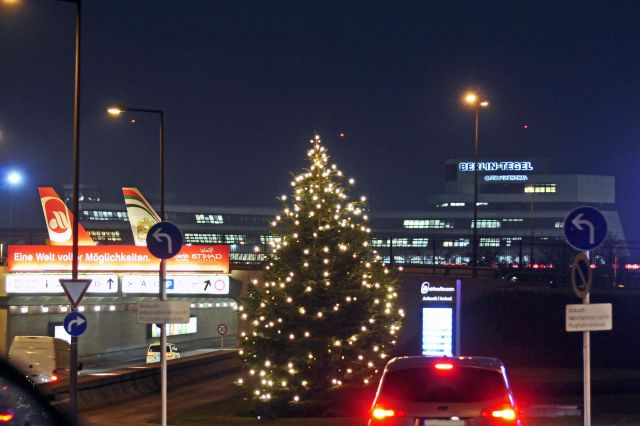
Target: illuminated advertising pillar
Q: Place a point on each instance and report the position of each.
(440, 318)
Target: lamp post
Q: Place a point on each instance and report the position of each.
(73, 355)
(115, 111)
(473, 100)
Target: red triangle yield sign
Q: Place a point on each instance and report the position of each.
(75, 289)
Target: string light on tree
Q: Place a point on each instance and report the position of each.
(304, 345)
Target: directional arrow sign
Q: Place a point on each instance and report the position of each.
(75, 324)
(75, 289)
(164, 240)
(585, 228)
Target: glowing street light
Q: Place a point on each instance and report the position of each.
(474, 101)
(14, 178)
(115, 110)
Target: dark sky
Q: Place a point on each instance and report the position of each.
(244, 85)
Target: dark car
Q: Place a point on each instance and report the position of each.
(449, 391)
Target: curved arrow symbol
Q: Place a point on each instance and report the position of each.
(578, 221)
(78, 321)
(158, 236)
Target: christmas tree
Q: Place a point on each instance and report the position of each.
(324, 318)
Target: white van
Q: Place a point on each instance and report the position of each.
(42, 358)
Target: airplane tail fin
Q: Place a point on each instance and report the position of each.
(141, 215)
(59, 220)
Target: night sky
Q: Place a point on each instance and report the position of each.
(245, 84)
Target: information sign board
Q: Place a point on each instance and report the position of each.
(589, 317)
(163, 312)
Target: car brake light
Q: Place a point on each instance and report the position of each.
(379, 412)
(502, 411)
(54, 378)
(444, 366)
(6, 417)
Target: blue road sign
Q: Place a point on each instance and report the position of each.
(75, 324)
(164, 240)
(585, 228)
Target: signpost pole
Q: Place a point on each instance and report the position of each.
(163, 348)
(164, 241)
(585, 228)
(163, 288)
(73, 356)
(586, 361)
(75, 290)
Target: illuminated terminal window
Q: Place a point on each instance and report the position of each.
(426, 224)
(215, 219)
(247, 257)
(379, 242)
(267, 239)
(460, 242)
(558, 225)
(508, 240)
(488, 223)
(203, 238)
(420, 242)
(106, 235)
(234, 238)
(512, 220)
(489, 242)
(400, 242)
(451, 205)
(105, 215)
(540, 188)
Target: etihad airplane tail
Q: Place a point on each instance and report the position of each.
(59, 220)
(141, 215)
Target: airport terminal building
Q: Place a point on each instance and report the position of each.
(521, 211)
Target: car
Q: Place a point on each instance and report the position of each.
(153, 353)
(21, 403)
(444, 391)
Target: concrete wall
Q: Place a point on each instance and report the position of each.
(117, 335)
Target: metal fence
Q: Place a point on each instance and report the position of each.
(614, 263)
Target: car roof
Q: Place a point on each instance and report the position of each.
(402, 362)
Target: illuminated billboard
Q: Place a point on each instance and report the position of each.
(114, 258)
(440, 313)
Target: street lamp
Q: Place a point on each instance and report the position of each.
(73, 355)
(474, 101)
(116, 111)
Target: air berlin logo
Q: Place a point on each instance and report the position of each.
(58, 220)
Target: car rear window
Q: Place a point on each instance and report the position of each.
(426, 384)
(156, 348)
